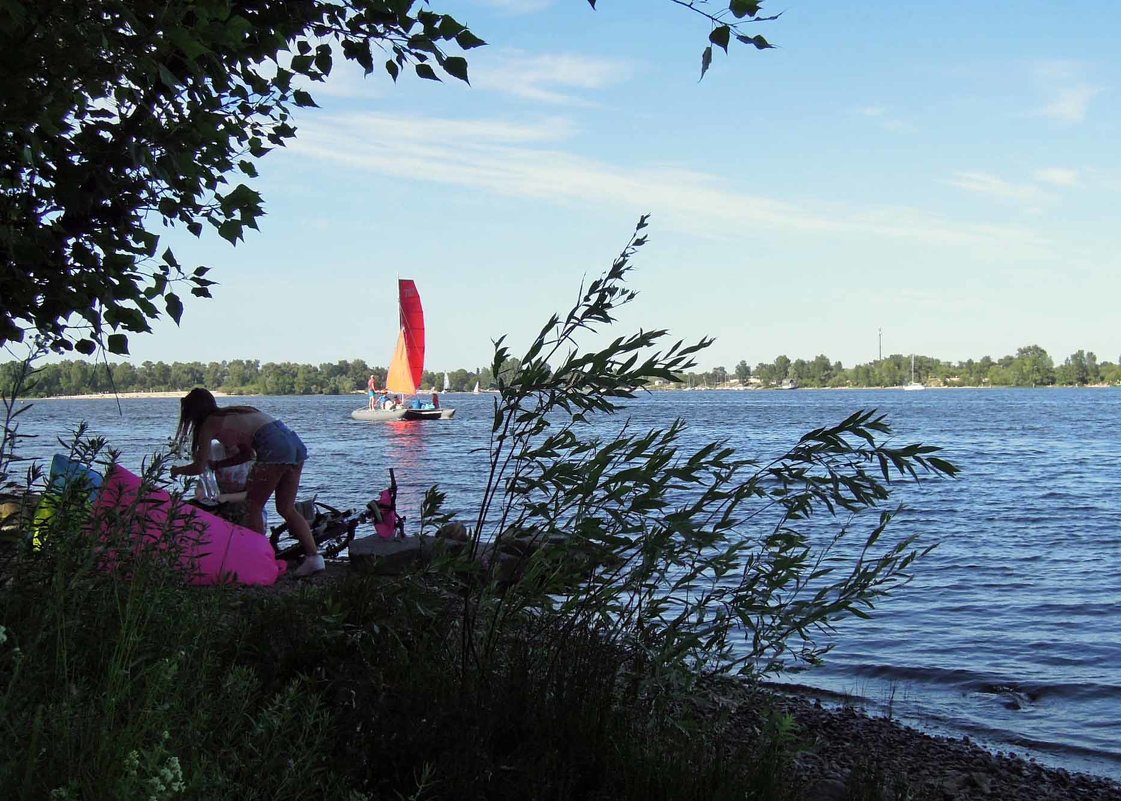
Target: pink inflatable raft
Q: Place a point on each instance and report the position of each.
(215, 551)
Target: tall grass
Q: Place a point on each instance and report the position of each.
(617, 575)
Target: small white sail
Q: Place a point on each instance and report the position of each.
(914, 385)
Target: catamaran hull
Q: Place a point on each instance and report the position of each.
(389, 415)
(378, 415)
(429, 414)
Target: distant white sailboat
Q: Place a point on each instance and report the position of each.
(447, 383)
(914, 385)
(476, 389)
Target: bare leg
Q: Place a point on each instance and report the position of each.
(286, 490)
(285, 480)
(254, 519)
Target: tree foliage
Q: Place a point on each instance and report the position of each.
(690, 561)
(118, 115)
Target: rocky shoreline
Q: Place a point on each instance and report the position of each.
(852, 755)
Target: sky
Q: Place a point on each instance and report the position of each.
(908, 177)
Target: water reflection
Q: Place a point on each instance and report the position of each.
(406, 447)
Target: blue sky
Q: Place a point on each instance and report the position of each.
(946, 172)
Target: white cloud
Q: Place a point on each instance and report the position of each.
(1057, 176)
(524, 160)
(1068, 93)
(549, 78)
(983, 183)
(884, 119)
(1070, 104)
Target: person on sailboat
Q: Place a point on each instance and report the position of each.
(435, 401)
(278, 453)
(371, 389)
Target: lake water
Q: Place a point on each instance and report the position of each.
(1011, 629)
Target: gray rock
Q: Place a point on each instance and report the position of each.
(457, 532)
(386, 557)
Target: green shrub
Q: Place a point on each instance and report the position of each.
(568, 661)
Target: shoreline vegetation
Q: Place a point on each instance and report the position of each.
(178, 393)
(1031, 366)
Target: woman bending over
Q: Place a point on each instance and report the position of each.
(278, 455)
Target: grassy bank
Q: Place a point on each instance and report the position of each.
(354, 687)
(565, 651)
(357, 688)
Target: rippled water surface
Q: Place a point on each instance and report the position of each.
(1011, 629)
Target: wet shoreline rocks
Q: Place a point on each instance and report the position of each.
(850, 755)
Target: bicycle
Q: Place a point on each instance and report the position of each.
(333, 529)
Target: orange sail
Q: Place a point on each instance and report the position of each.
(400, 378)
(406, 371)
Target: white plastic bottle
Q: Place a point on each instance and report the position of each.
(209, 484)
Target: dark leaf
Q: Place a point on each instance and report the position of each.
(231, 231)
(456, 67)
(757, 41)
(118, 343)
(720, 37)
(323, 60)
(468, 41)
(174, 307)
(743, 8)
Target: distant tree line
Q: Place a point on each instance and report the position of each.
(1031, 366)
(237, 377)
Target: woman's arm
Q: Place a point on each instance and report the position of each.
(202, 455)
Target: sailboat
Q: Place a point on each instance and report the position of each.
(407, 367)
(447, 384)
(914, 385)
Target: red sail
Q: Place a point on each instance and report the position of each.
(412, 327)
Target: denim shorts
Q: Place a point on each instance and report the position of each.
(276, 443)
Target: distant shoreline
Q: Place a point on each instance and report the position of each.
(219, 394)
(123, 395)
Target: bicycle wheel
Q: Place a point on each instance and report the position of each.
(332, 529)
